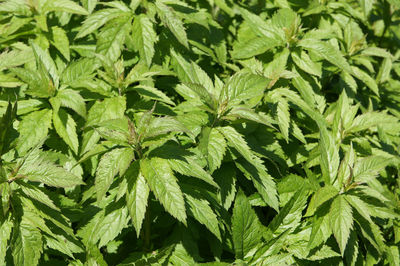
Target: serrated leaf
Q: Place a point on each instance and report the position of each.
(109, 108)
(368, 168)
(252, 167)
(39, 85)
(66, 6)
(37, 194)
(112, 225)
(346, 166)
(365, 78)
(78, 71)
(253, 47)
(97, 19)
(244, 112)
(38, 169)
(213, 145)
(189, 167)
(163, 184)
(65, 127)
(113, 162)
(341, 220)
(370, 120)
(5, 234)
(136, 196)
(172, 22)
(329, 156)
(26, 244)
(259, 26)
(225, 177)
(190, 72)
(283, 117)
(321, 196)
(243, 86)
(202, 212)
(153, 93)
(144, 36)
(321, 229)
(245, 226)
(163, 125)
(33, 129)
(326, 51)
(72, 99)
(112, 38)
(304, 62)
(60, 41)
(43, 57)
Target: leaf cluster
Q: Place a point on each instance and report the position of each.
(215, 132)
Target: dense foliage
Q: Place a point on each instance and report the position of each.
(177, 132)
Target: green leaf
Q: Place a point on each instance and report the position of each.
(283, 116)
(246, 227)
(37, 168)
(365, 78)
(341, 220)
(136, 196)
(78, 71)
(368, 168)
(346, 166)
(38, 194)
(304, 62)
(370, 120)
(6, 127)
(289, 216)
(33, 129)
(260, 27)
(39, 84)
(60, 41)
(98, 19)
(26, 244)
(112, 225)
(43, 57)
(321, 229)
(253, 47)
(189, 167)
(109, 108)
(213, 145)
(243, 86)
(321, 196)
(163, 184)
(112, 38)
(172, 22)
(115, 130)
(65, 127)
(190, 72)
(329, 156)
(5, 233)
(376, 51)
(326, 51)
(72, 99)
(253, 168)
(65, 6)
(243, 112)
(113, 162)
(144, 37)
(153, 93)
(202, 212)
(237, 141)
(163, 125)
(225, 177)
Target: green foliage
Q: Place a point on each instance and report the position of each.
(177, 132)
